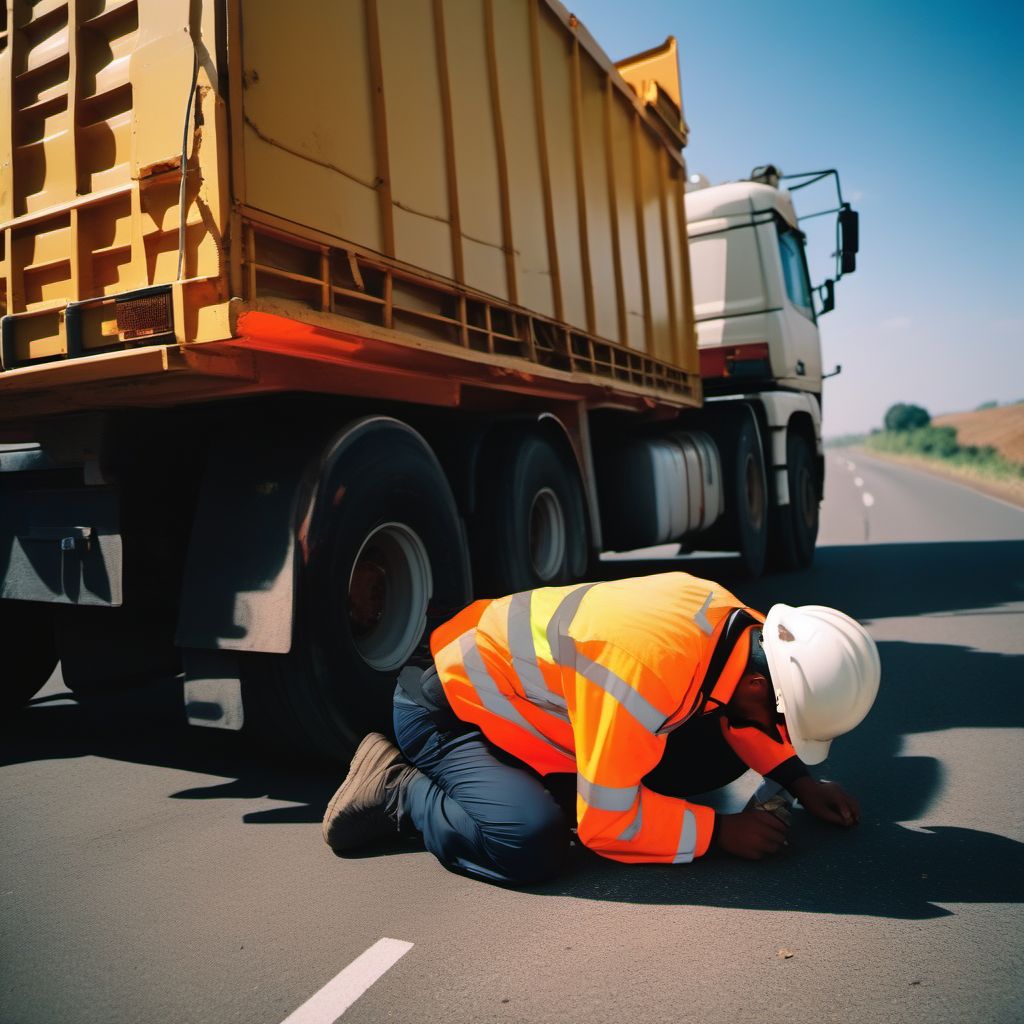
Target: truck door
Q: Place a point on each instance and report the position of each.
(801, 363)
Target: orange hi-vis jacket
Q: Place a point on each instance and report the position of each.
(591, 679)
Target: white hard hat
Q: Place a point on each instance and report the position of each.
(825, 670)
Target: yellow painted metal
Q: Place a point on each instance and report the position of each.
(473, 172)
(497, 162)
(654, 76)
(93, 114)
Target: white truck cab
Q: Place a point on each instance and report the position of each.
(760, 350)
(756, 318)
(751, 290)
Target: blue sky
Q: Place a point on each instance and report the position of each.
(920, 106)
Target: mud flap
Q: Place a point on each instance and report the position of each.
(239, 586)
(213, 691)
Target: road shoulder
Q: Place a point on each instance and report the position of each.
(1012, 493)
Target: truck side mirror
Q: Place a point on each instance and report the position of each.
(849, 239)
(827, 294)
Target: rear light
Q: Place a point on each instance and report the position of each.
(103, 324)
(145, 315)
(750, 360)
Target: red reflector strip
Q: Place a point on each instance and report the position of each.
(720, 360)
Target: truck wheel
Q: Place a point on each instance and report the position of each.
(30, 654)
(385, 563)
(532, 529)
(746, 494)
(796, 524)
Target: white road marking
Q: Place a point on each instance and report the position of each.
(956, 483)
(858, 481)
(868, 499)
(327, 1005)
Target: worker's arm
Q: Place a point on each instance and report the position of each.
(827, 800)
(774, 757)
(634, 824)
(640, 826)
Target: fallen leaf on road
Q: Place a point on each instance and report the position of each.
(778, 806)
(785, 954)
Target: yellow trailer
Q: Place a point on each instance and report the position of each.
(320, 318)
(380, 198)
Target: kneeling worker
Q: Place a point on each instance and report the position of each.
(646, 690)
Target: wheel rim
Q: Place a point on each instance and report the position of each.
(755, 493)
(389, 589)
(547, 534)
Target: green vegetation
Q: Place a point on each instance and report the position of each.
(902, 417)
(917, 438)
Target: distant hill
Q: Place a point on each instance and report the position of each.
(1002, 428)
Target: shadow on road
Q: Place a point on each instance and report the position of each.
(881, 868)
(147, 726)
(873, 581)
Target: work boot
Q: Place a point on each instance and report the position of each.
(365, 807)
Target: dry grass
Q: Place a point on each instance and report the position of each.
(1002, 428)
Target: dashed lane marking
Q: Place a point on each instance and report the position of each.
(327, 1005)
(868, 499)
(858, 481)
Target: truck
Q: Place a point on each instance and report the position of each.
(320, 321)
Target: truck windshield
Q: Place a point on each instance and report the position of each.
(794, 270)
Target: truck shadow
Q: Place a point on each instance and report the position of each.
(868, 581)
(147, 726)
(882, 868)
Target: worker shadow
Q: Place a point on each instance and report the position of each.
(880, 869)
(907, 858)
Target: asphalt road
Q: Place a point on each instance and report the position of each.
(152, 873)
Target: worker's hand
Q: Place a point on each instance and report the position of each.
(827, 800)
(750, 834)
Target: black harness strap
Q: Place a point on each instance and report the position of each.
(738, 622)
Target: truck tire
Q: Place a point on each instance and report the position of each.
(746, 498)
(795, 526)
(29, 652)
(384, 563)
(531, 524)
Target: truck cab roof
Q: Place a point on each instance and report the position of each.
(738, 198)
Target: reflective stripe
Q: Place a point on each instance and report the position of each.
(492, 698)
(687, 839)
(558, 639)
(630, 831)
(606, 798)
(524, 656)
(615, 686)
(701, 618)
(563, 647)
